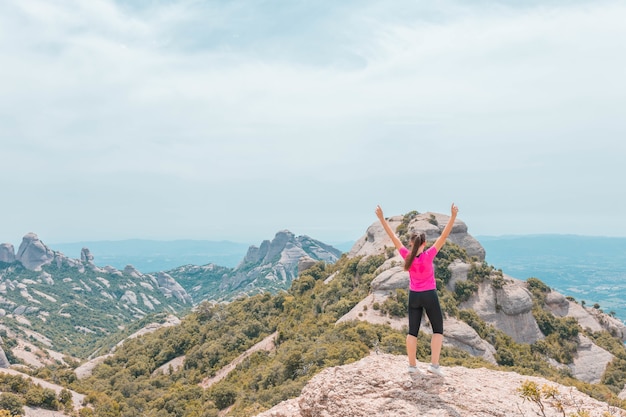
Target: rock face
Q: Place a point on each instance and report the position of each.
(171, 288)
(379, 385)
(33, 254)
(508, 309)
(7, 253)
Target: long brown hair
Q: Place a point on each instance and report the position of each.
(416, 240)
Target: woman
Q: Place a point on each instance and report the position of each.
(418, 261)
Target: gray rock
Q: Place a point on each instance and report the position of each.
(132, 271)
(86, 256)
(305, 262)
(590, 361)
(4, 362)
(7, 253)
(379, 386)
(508, 309)
(460, 335)
(33, 254)
(376, 240)
(391, 279)
(171, 288)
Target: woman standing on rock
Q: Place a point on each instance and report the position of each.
(418, 261)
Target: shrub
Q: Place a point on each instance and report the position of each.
(12, 403)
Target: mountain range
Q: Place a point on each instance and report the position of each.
(72, 305)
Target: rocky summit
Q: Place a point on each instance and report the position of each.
(380, 386)
(503, 302)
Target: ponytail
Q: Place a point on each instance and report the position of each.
(417, 240)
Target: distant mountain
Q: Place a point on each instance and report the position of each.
(271, 267)
(589, 268)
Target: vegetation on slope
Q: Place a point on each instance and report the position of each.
(308, 340)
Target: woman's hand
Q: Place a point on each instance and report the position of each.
(454, 210)
(379, 213)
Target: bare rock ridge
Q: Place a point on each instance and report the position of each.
(379, 386)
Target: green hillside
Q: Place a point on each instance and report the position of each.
(77, 310)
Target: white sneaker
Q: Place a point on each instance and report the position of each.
(414, 370)
(436, 369)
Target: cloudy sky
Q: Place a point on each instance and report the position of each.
(189, 119)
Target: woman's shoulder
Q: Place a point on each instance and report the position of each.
(432, 250)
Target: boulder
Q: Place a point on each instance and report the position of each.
(590, 361)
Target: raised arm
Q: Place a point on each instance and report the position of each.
(392, 235)
(441, 240)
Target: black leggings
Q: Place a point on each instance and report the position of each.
(420, 301)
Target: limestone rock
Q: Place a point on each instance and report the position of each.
(7, 253)
(170, 288)
(132, 271)
(590, 361)
(508, 309)
(588, 318)
(274, 264)
(379, 386)
(375, 240)
(391, 279)
(86, 256)
(33, 254)
(305, 263)
(461, 335)
(432, 224)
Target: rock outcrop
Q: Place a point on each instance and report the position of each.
(171, 288)
(376, 240)
(507, 306)
(33, 254)
(379, 385)
(7, 253)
